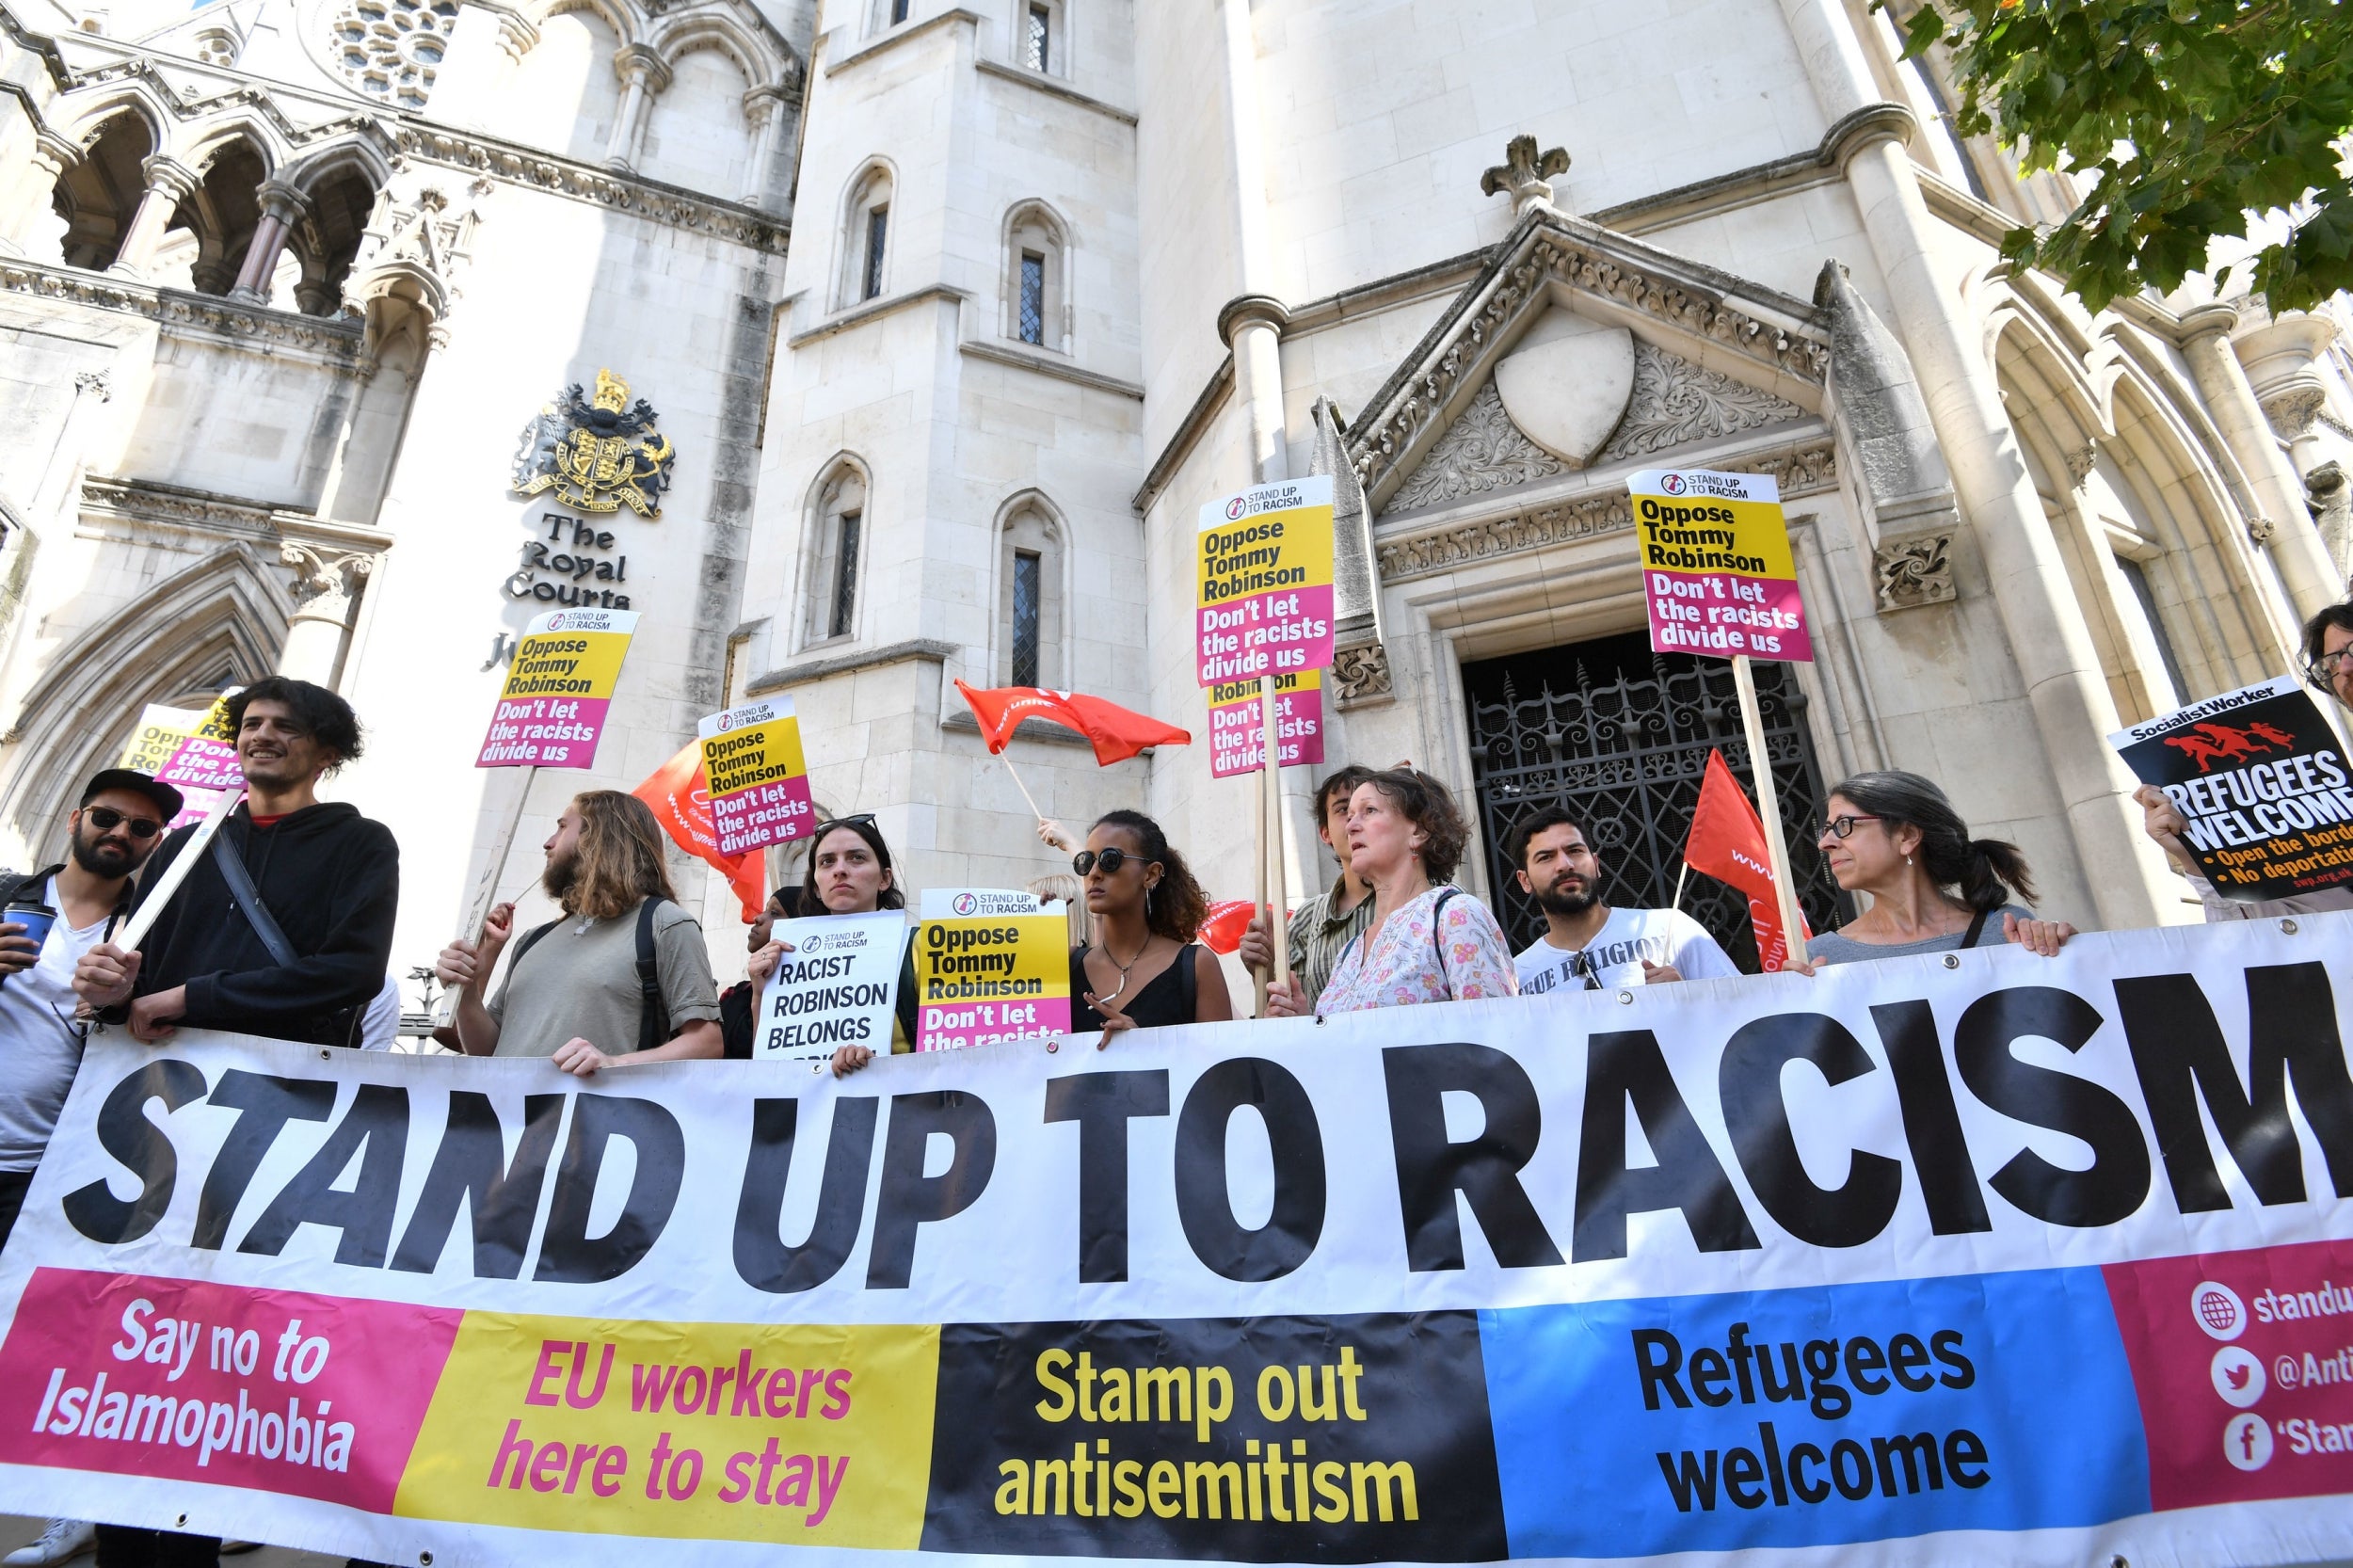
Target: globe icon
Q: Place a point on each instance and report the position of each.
(2219, 1311)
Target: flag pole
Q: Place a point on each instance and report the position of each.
(1015, 775)
(1767, 806)
(1680, 877)
(478, 908)
(1278, 920)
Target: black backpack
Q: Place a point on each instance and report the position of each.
(652, 1017)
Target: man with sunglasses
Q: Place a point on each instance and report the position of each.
(2328, 668)
(109, 836)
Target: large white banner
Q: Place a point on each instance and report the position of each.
(1985, 1256)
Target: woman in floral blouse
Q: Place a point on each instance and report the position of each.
(1428, 942)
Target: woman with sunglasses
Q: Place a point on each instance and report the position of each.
(1933, 889)
(1143, 969)
(2328, 668)
(850, 873)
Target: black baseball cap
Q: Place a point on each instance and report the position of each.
(166, 799)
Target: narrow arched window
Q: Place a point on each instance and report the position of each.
(1037, 270)
(866, 237)
(838, 547)
(1030, 609)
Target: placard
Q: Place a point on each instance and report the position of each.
(2262, 784)
(1238, 728)
(199, 762)
(550, 711)
(758, 777)
(152, 746)
(1718, 576)
(835, 988)
(1263, 581)
(991, 964)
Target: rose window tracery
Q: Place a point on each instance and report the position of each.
(392, 49)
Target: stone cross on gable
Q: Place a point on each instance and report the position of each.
(1525, 173)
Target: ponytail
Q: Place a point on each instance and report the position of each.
(1984, 870)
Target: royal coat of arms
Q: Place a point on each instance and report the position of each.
(599, 454)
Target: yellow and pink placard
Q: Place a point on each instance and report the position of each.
(1718, 577)
(550, 711)
(1264, 582)
(758, 777)
(1238, 733)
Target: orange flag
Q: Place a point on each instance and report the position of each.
(1116, 733)
(1727, 842)
(681, 798)
(1222, 931)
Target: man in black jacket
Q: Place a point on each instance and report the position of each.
(329, 881)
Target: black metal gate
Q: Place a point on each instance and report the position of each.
(1620, 735)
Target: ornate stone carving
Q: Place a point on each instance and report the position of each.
(2259, 531)
(412, 254)
(2081, 460)
(2293, 409)
(1481, 451)
(1914, 571)
(1800, 471)
(1677, 402)
(675, 208)
(324, 574)
(328, 340)
(95, 383)
(1394, 430)
(1525, 173)
(1361, 674)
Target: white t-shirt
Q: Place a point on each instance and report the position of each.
(1626, 939)
(41, 1049)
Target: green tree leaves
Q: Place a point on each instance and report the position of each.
(2177, 119)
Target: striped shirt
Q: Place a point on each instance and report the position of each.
(1318, 937)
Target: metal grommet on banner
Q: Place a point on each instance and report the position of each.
(1052, 1046)
(326, 1055)
(2119, 1561)
(184, 1519)
(424, 1559)
(1625, 998)
(2287, 928)
(1952, 961)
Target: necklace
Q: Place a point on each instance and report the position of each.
(1122, 969)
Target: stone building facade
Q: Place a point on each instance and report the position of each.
(955, 314)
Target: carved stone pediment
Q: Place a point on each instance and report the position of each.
(1675, 403)
(1704, 315)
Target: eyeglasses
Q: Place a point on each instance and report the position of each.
(107, 819)
(2324, 669)
(1839, 827)
(1110, 860)
(864, 819)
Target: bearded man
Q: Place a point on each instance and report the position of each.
(1586, 943)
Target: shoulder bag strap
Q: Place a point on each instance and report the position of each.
(1437, 937)
(241, 888)
(1187, 981)
(1976, 924)
(652, 1017)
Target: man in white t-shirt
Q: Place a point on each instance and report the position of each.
(1586, 943)
(117, 826)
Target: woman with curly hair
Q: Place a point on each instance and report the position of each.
(1428, 940)
(1143, 969)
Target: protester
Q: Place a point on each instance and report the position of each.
(739, 1002)
(850, 872)
(283, 929)
(1322, 926)
(117, 824)
(1586, 943)
(1426, 940)
(2328, 668)
(1896, 837)
(622, 980)
(302, 954)
(1144, 903)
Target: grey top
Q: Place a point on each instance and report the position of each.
(1832, 947)
(580, 979)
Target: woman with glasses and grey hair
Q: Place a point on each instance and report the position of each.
(2328, 668)
(1933, 889)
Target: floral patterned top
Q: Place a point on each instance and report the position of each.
(1422, 954)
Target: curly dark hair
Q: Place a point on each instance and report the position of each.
(1180, 906)
(325, 717)
(1428, 805)
(2330, 617)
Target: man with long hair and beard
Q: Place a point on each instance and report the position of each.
(622, 977)
(1586, 943)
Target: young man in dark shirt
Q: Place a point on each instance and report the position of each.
(328, 880)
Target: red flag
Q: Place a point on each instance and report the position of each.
(1117, 733)
(1727, 842)
(1222, 931)
(681, 798)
